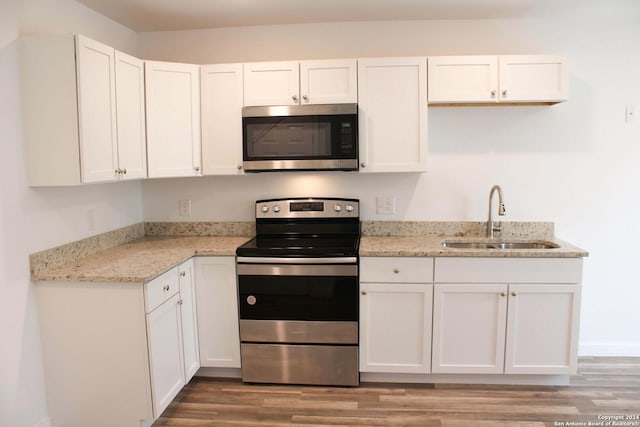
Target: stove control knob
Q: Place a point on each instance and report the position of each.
(337, 208)
(265, 209)
(276, 208)
(349, 208)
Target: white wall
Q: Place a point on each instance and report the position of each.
(35, 219)
(575, 163)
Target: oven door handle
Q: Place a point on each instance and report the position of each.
(277, 260)
(336, 270)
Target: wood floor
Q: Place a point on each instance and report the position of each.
(603, 387)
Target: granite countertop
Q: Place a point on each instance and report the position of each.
(141, 260)
(141, 252)
(431, 246)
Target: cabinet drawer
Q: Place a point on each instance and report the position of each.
(508, 270)
(396, 269)
(161, 289)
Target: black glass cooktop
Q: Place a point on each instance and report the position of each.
(309, 246)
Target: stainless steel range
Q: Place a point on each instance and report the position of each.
(298, 293)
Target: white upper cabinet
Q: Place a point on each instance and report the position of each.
(130, 114)
(463, 79)
(271, 83)
(329, 82)
(221, 119)
(392, 114)
(533, 78)
(300, 83)
(91, 126)
(490, 79)
(96, 110)
(173, 119)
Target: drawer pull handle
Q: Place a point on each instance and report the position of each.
(503, 294)
(363, 292)
(180, 301)
(166, 287)
(514, 293)
(183, 273)
(395, 270)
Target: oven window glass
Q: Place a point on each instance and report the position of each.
(300, 137)
(314, 298)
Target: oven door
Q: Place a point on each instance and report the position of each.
(298, 292)
(321, 137)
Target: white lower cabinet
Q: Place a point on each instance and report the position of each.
(512, 316)
(395, 315)
(469, 328)
(218, 329)
(542, 329)
(166, 358)
(189, 318)
(116, 354)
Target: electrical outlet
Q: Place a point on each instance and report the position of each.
(385, 205)
(184, 207)
(630, 113)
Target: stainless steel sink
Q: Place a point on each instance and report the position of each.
(499, 244)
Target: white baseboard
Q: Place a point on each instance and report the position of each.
(609, 349)
(45, 422)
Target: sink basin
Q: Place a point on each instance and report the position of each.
(498, 244)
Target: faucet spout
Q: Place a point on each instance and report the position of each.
(492, 227)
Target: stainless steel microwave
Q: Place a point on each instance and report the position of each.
(300, 137)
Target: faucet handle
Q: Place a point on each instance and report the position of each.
(501, 209)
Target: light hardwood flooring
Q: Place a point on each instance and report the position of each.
(603, 386)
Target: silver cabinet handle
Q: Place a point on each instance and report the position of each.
(166, 287)
(196, 168)
(180, 301)
(514, 293)
(295, 98)
(363, 165)
(503, 294)
(363, 292)
(183, 273)
(305, 97)
(395, 270)
(124, 171)
(504, 93)
(239, 167)
(493, 93)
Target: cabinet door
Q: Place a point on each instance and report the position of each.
(392, 102)
(173, 119)
(132, 139)
(189, 319)
(164, 334)
(531, 78)
(96, 110)
(221, 119)
(329, 82)
(469, 322)
(542, 329)
(395, 327)
(466, 79)
(271, 83)
(217, 305)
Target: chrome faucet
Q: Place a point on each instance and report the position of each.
(491, 226)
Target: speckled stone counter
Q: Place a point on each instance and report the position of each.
(142, 260)
(431, 246)
(141, 252)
